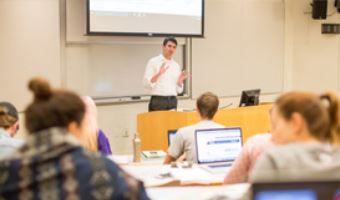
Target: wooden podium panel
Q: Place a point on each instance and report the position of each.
(153, 126)
(252, 119)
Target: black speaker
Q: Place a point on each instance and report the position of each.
(337, 4)
(319, 9)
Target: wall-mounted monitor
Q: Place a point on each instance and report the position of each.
(146, 17)
(250, 97)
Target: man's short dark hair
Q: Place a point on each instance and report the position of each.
(169, 39)
(207, 105)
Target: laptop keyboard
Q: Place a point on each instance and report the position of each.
(220, 165)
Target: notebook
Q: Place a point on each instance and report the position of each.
(217, 148)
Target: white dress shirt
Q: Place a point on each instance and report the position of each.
(166, 85)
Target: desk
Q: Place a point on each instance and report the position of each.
(184, 184)
(150, 171)
(151, 175)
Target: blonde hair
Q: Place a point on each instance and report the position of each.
(90, 140)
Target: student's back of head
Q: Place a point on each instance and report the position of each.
(52, 108)
(59, 108)
(207, 105)
(320, 113)
(306, 125)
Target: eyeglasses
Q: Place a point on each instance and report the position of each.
(18, 127)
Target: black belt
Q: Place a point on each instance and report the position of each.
(163, 97)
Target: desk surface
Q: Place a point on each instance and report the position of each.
(199, 183)
(154, 175)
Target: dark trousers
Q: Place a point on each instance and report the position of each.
(162, 103)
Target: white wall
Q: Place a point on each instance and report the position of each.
(315, 56)
(30, 44)
(242, 49)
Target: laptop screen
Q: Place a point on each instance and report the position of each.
(218, 145)
(287, 195)
(171, 136)
(297, 191)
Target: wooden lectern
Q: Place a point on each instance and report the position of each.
(153, 126)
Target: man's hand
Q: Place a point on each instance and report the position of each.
(164, 67)
(184, 75)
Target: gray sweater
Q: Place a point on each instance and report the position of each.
(298, 162)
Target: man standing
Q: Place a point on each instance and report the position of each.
(164, 78)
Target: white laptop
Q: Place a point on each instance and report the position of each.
(217, 148)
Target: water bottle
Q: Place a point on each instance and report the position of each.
(136, 148)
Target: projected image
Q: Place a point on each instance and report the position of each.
(176, 17)
(219, 145)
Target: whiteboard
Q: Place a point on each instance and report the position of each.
(112, 70)
(243, 48)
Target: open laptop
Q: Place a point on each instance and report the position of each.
(171, 136)
(217, 148)
(319, 190)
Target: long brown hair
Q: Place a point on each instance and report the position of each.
(320, 112)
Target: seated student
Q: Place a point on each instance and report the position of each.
(251, 151)
(52, 164)
(184, 141)
(305, 125)
(88, 139)
(9, 126)
(97, 137)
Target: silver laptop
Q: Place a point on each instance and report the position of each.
(217, 148)
(171, 136)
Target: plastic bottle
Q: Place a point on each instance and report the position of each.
(136, 148)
